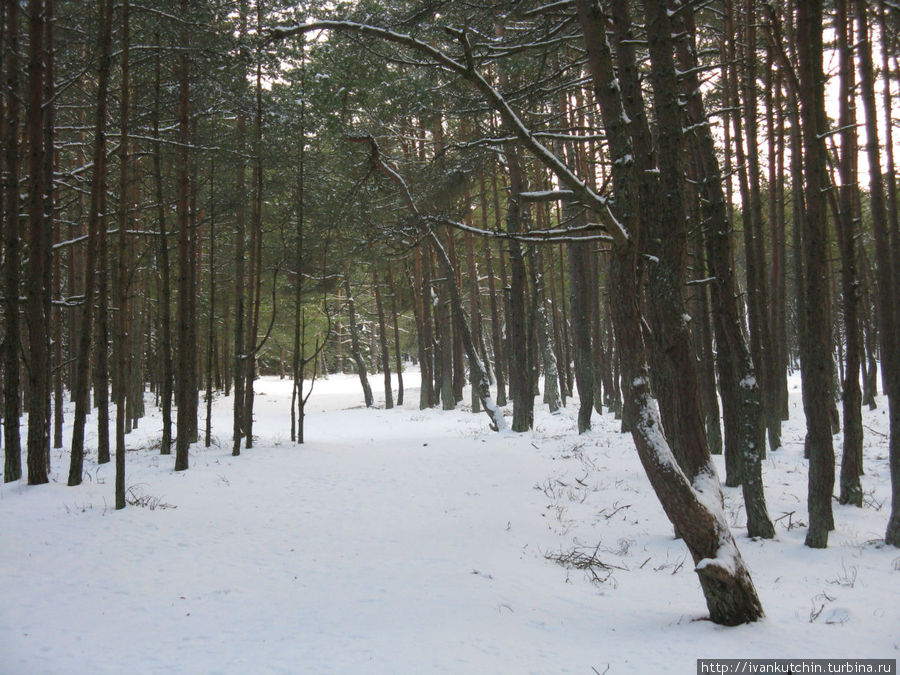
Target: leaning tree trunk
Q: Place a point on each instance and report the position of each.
(730, 595)
(740, 390)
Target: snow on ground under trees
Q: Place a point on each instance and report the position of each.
(407, 541)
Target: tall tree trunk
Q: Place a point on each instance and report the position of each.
(95, 222)
(428, 367)
(165, 292)
(851, 489)
(580, 303)
(544, 334)
(49, 197)
(761, 343)
(383, 342)
(120, 344)
(817, 370)
(36, 318)
(726, 584)
(398, 355)
(496, 330)
(885, 253)
(744, 434)
(211, 326)
(474, 305)
(240, 358)
(186, 349)
(12, 467)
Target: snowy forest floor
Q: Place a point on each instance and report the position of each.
(408, 541)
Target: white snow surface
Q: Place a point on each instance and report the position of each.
(408, 541)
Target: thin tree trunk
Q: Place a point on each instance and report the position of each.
(186, 349)
(239, 379)
(211, 326)
(120, 344)
(397, 353)
(165, 292)
(383, 342)
(851, 489)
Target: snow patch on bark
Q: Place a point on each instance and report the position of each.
(725, 564)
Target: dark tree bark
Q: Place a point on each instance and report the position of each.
(730, 595)
(496, 330)
(521, 373)
(95, 222)
(37, 401)
(120, 343)
(50, 196)
(240, 358)
(12, 468)
(211, 326)
(740, 391)
(851, 489)
(165, 292)
(383, 341)
(418, 302)
(544, 334)
(186, 347)
(580, 303)
(885, 271)
(427, 294)
(817, 369)
(443, 381)
(474, 305)
(396, 325)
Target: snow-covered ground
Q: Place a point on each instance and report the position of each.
(408, 541)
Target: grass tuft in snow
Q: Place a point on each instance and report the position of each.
(585, 558)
